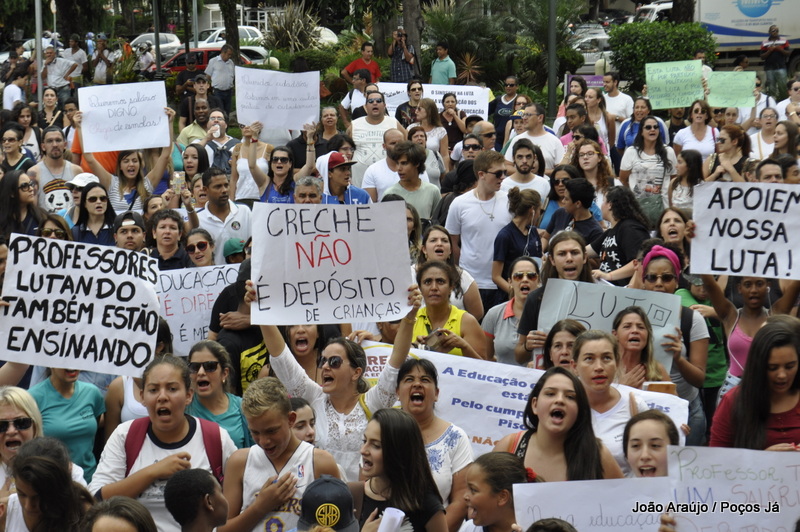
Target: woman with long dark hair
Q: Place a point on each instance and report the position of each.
(95, 224)
(629, 129)
(786, 135)
(490, 499)
(689, 174)
(15, 157)
(552, 203)
(25, 116)
(19, 210)
(733, 149)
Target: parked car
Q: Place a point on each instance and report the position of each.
(215, 37)
(327, 36)
(169, 43)
(177, 62)
(593, 48)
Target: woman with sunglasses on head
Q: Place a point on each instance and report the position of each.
(15, 157)
(200, 247)
(211, 371)
(19, 209)
(520, 238)
(699, 135)
(54, 226)
(344, 399)
(727, 164)
(95, 224)
(501, 321)
(648, 165)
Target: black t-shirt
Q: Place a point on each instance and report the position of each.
(227, 301)
(529, 321)
(619, 245)
(183, 77)
(23, 164)
(589, 229)
(431, 505)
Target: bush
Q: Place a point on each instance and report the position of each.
(317, 59)
(635, 45)
(534, 67)
(294, 28)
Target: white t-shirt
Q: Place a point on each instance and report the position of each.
(609, 426)
(357, 100)
(113, 464)
(369, 144)
(539, 184)
(236, 225)
(781, 108)
(648, 174)
(620, 105)
(687, 141)
(79, 58)
(477, 223)
(380, 177)
(551, 147)
(11, 95)
(759, 149)
(448, 455)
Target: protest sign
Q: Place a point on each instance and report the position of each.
(591, 81)
(733, 489)
(746, 229)
(472, 100)
(116, 119)
(280, 98)
(330, 263)
(731, 89)
(596, 304)
(488, 399)
(674, 83)
(79, 306)
(592, 505)
(187, 297)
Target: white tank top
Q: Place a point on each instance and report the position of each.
(131, 407)
(246, 187)
(259, 468)
(15, 522)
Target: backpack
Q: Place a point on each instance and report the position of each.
(211, 441)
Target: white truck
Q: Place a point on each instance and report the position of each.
(740, 26)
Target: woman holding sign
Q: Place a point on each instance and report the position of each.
(128, 188)
(763, 412)
(344, 401)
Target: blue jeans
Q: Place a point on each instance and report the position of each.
(697, 422)
(776, 82)
(225, 97)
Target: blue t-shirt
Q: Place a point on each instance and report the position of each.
(232, 420)
(510, 244)
(352, 196)
(272, 195)
(73, 420)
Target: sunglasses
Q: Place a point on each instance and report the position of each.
(335, 362)
(209, 367)
(414, 89)
(758, 84)
(10, 139)
(719, 111)
(282, 160)
(665, 277)
(720, 140)
(500, 174)
(27, 186)
(59, 233)
(518, 276)
(21, 423)
(649, 127)
(471, 147)
(375, 100)
(560, 180)
(577, 137)
(510, 84)
(95, 199)
(489, 135)
(200, 246)
(699, 111)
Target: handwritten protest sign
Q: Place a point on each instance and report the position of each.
(273, 97)
(471, 100)
(592, 505)
(187, 297)
(731, 89)
(733, 489)
(674, 84)
(596, 304)
(488, 399)
(116, 119)
(330, 263)
(746, 229)
(79, 306)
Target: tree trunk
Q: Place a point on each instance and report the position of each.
(229, 16)
(412, 24)
(381, 33)
(187, 28)
(682, 11)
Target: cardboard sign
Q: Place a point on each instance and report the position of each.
(473, 100)
(593, 505)
(330, 263)
(731, 89)
(746, 229)
(79, 306)
(674, 84)
(733, 489)
(187, 297)
(596, 304)
(116, 119)
(277, 99)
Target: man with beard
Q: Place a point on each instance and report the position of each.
(53, 164)
(367, 132)
(676, 122)
(222, 218)
(524, 157)
(198, 129)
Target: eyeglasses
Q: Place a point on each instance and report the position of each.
(775, 117)
(21, 423)
(95, 199)
(10, 139)
(27, 186)
(518, 276)
(510, 84)
(216, 119)
(200, 246)
(720, 140)
(335, 362)
(472, 147)
(414, 89)
(209, 366)
(375, 100)
(587, 155)
(649, 127)
(529, 115)
(59, 233)
(489, 135)
(500, 174)
(282, 160)
(665, 277)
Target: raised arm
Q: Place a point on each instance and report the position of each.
(157, 172)
(249, 146)
(726, 311)
(97, 169)
(405, 333)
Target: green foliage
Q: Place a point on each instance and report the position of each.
(283, 57)
(382, 10)
(293, 29)
(635, 45)
(126, 70)
(317, 59)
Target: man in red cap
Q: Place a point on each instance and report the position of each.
(339, 179)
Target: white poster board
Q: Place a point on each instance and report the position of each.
(79, 306)
(596, 304)
(330, 263)
(124, 117)
(187, 297)
(593, 505)
(734, 489)
(473, 100)
(746, 229)
(277, 99)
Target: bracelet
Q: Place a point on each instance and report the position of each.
(190, 212)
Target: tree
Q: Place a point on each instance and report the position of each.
(228, 10)
(682, 11)
(413, 23)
